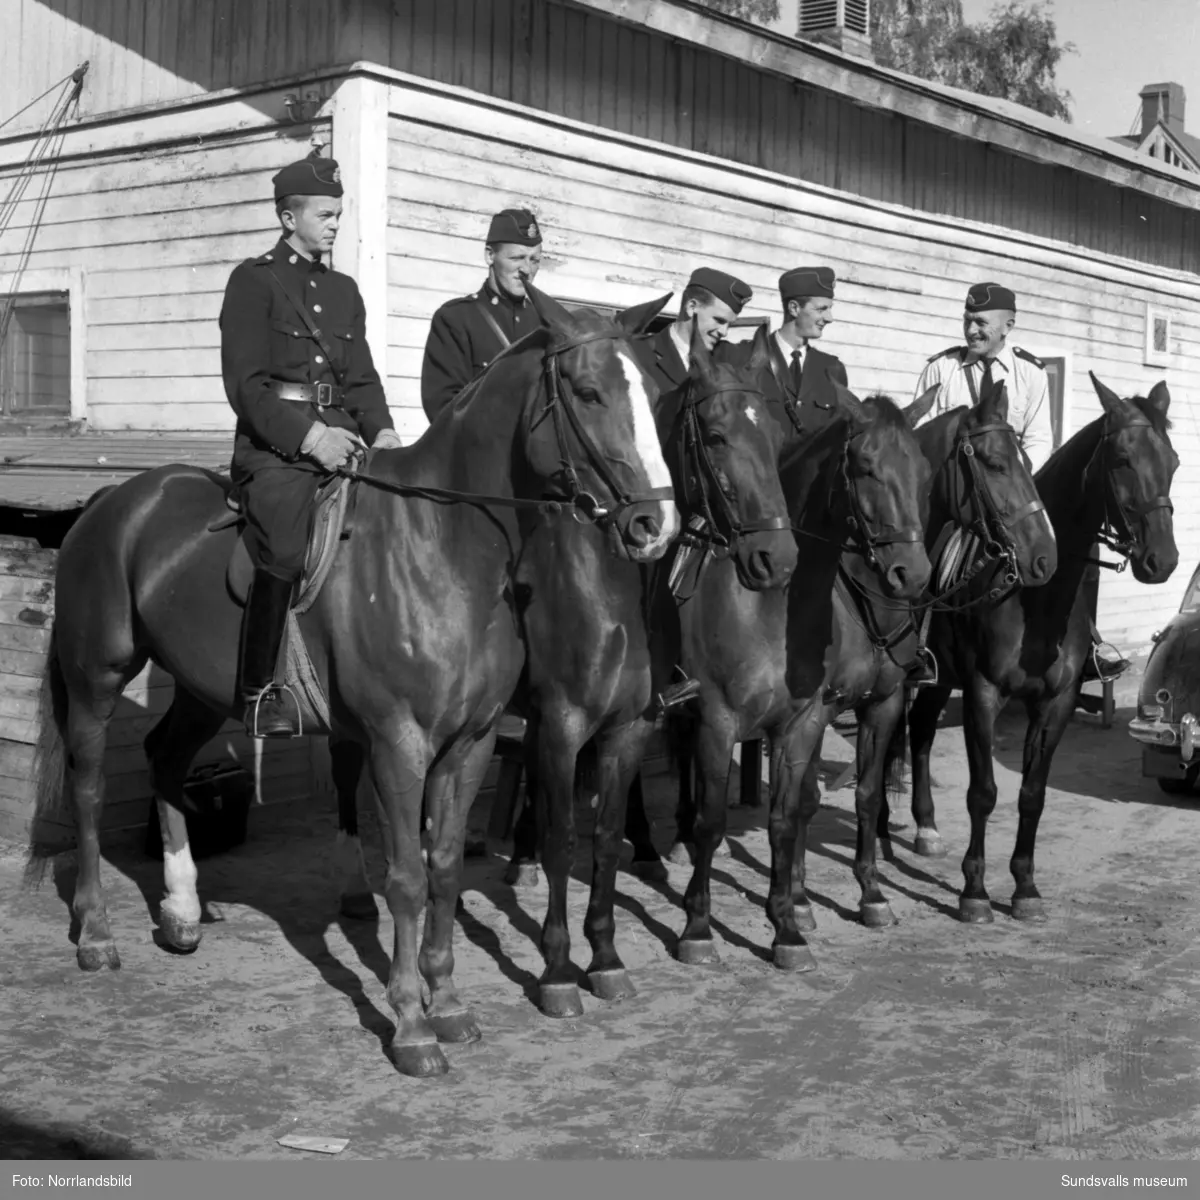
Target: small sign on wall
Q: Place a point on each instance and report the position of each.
(1159, 333)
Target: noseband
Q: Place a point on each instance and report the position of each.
(1116, 530)
(559, 406)
(707, 497)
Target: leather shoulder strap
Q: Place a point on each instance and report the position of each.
(306, 318)
(495, 325)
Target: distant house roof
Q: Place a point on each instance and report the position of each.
(1185, 145)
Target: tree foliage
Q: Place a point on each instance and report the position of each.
(758, 12)
(1013, 55)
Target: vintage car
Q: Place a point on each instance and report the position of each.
(1168, 712)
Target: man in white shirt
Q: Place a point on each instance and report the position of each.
(961, 374)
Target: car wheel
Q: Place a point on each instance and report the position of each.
(1175, 786)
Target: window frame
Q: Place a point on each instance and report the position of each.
(1046, 351)
(40, 282)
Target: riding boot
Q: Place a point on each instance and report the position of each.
(1099, 667)
(268, 711)
(922, 672)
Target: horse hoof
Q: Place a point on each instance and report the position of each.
(96, 955)
(522, 875)
(651, 869)
(182, 936)
(560, 1000)
(793, 958)
(1029, 908)
(722, 850)
(697, 952)
(611, 985)
(929, 844)
(359, 906)
(680, 855)
(805, 921)
(877, 914)
(975, 911)
(455, 1027)
(419, 1061)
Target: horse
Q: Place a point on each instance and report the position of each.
(414, 635)
(721, 446)
(1109, 483)
(850, 646)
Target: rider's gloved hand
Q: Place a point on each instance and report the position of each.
(329, 446)
(387, 439)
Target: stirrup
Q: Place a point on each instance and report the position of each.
(1115, 672)
(281, 689)
(677, 693)
(927, 658)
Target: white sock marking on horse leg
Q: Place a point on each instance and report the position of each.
(179, 871)
(350, 864)
(649, 448)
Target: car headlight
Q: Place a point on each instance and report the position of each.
(1188, 726)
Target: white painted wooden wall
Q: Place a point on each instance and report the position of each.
(625, 219)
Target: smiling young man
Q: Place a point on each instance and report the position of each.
(299, 375)
(468, 332)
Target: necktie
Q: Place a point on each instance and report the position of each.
(988, 381)
(797, 371)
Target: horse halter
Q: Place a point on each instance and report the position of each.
(1119, 534)
(992, 526)
(585, 506)
(868, 540)
(706, 494)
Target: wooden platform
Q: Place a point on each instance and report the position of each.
(48, 473)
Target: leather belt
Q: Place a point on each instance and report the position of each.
(323, 395)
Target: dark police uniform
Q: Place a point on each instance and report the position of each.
(467, 333)
(807, 380)
(280, 382)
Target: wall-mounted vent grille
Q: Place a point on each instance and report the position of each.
(816, 16)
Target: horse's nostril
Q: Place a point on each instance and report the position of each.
(644, 530)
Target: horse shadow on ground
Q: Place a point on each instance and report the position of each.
(23, 1138)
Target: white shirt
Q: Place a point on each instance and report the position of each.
(1028, 394)
(787, 351)
(682, 344)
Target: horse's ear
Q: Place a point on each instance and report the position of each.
(918, 410)
(848, 402)
(1159, 398)
(1108, 398)
(760, 353)
(551, 313)
(636, 320)
(701, 359)
(994, 406)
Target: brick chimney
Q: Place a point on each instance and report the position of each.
(843, 24)
(1162, 102)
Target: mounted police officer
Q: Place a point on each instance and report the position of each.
(299, 375)
(962, 372)
(800, 373)
(713, 300)
(467, 333)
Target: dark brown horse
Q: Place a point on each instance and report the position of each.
(850, 644)
(858, 481)
(1110, 482)
(595, 686)
(415, 635)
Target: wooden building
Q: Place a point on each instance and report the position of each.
(649, 136)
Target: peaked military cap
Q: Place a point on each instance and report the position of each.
(515, 225)
(803, 282)
(728, 288)
(309, 177)
(985, 296)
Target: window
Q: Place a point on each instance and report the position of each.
(1157, 352)
(35, 355)
(1056, 372)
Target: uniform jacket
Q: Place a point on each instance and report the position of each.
(816, 404)
(461, 343)
(263, 337)
(1026, 382)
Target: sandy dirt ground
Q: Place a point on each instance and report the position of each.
(1074, 1039)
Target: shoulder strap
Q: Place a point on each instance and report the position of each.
(495, 325)
(1031, 358)
(943, 353)
(303, 312)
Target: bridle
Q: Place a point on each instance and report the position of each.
(1117, 527)
(559, 407)
(710, 516)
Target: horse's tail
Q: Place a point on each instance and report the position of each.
(895, 758)
(49, 769)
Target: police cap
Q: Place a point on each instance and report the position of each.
(517, 226)
(728, 288)
(309, 177)
(984, 297)
(803, 282)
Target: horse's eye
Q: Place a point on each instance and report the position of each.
(713, 437)
(588, 395)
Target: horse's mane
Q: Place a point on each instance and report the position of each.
(512, 350)
(887, 411)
